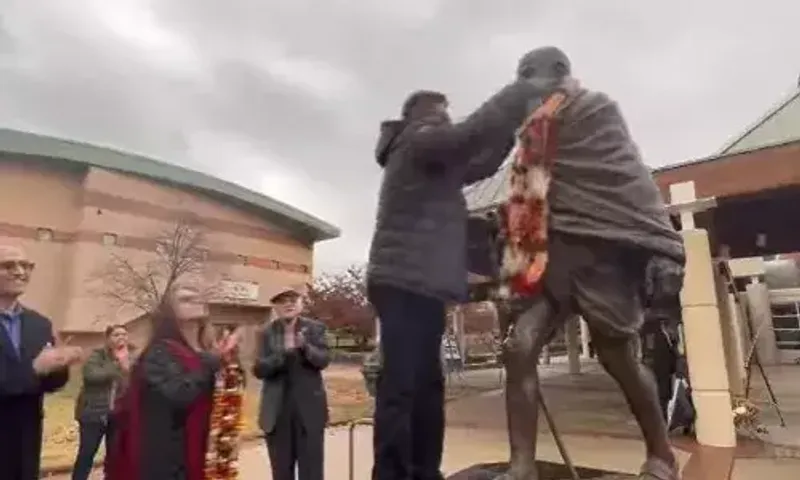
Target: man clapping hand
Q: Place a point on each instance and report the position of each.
(31, 364)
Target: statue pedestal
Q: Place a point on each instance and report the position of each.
(547, 471)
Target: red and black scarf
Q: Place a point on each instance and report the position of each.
(124, 461)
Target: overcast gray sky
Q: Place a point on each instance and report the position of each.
(284, 96)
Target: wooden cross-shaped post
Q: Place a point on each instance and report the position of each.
(703, 330)
(684, 202)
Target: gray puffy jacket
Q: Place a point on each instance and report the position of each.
(420, 233)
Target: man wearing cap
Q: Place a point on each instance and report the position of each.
(31, 365)
(294, 409)
(417, 260)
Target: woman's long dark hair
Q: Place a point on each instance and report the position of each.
(164, 320)
(164, 324)
(204, 333)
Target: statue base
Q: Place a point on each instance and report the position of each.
(547, 471)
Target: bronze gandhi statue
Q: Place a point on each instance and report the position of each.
(606, 224)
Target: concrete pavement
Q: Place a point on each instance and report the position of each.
(590, 412)
(465, 447)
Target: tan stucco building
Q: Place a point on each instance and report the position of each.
(72, 206)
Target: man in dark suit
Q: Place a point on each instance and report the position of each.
(30, 365)
(294, 409)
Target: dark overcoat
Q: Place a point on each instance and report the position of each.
(22, 397)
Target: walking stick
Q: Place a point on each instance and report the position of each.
(562, 449)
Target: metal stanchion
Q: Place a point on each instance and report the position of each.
(351, 455)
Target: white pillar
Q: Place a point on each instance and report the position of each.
(584, 328)
(703, 330)
(738, 305)
(758, 303)
(731, 339)
(377, 330)
(546, 355)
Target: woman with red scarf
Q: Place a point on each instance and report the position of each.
(163, 419)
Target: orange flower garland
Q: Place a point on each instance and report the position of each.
(222, 454)
(524, 216)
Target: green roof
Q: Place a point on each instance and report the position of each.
(57, 149)
(778, 125)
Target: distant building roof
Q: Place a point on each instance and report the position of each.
(56, 149)
(780, 124)
(489, 192)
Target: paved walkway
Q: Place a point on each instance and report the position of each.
(465, 447)
(589, 411)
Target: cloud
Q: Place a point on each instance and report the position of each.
(315, 77)
(285, 97)
(134, 22)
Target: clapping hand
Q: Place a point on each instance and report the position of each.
(225, 346)
(123, 358)
(300, 339)
(56, 357)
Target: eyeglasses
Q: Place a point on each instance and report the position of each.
(12, 265)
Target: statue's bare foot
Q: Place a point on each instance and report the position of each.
(657, 469)
(516, 474)
(511, 476)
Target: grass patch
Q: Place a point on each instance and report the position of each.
(347, 397)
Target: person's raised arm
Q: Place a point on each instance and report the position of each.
(488, 161)
(18, 378)
(491, 124)
(315, 347)
(98, 370)
(271, 357)
(164, 373)
(57, 378)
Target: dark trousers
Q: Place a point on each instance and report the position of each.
(90, 435)
(20, 438)
(291, 445)
(409, 404)
(660, 357)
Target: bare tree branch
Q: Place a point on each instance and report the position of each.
(340, 300)
(181, 256)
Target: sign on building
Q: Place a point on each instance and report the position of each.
(237, 291)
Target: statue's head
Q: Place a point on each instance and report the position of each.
(545, 66)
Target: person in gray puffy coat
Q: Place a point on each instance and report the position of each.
(418, 258)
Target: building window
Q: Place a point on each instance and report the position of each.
(109, 239)
(786, 324)
(44, 234)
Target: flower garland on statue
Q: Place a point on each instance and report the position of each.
(523, 217)
(226, 423)
(746, 417)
